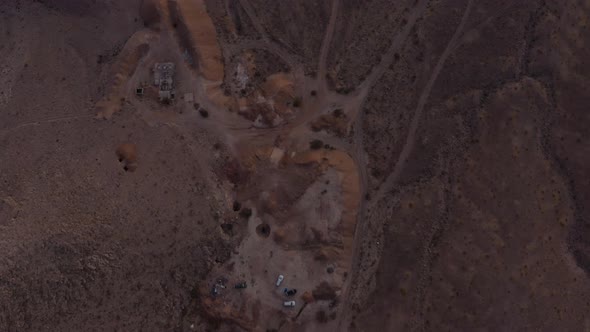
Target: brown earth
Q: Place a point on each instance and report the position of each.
(407, 165)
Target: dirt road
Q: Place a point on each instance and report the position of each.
(411, 138)
(325, 49)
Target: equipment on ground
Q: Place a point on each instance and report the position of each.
(280, 279)
(289, 292)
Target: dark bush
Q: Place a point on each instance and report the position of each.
(324, 292)
(316, 144)
(246, 213)
(321, 316)
(149, 13)
(263, 230)
(195, 292)
(227, 228)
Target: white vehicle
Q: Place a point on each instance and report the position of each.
(280, 279)
(289, 303)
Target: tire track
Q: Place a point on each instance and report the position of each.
(411, 138)
(434, 235)
(41, 122)
(325, 49)
(276, 44)
(136, 47)
(254, 19)
(291, 60)
(359, 153)
(397, 42)
(360, 157)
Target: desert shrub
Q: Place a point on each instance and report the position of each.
(316, 144)
(149, 13)
(321, 316)
(227, 228)
(324, 292)
(246, 213)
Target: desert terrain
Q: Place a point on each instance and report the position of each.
(377, 165)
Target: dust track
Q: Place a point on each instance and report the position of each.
(44, 121)
(325, 49)
(359, 154)
(396, 44)
(203, 35)
(254, 19)
(411, 138)
(135, 49)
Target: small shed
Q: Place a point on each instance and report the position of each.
(164, 79)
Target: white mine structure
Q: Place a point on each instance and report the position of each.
(164, 80)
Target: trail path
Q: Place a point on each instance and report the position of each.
(239, 131)
(325, 49)
(411, 137)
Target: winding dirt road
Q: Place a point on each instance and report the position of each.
(411, 138)
(325, 101)
(325, 49)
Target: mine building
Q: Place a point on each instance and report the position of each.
(164, 80)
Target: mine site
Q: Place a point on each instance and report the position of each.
(300, 165)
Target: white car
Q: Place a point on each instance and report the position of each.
(280, 279)
(289, 303)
